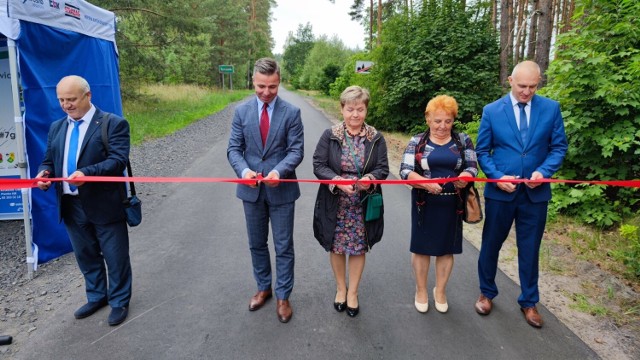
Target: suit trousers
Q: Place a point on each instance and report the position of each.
(530, 219)
(257, 216)
(97, 245)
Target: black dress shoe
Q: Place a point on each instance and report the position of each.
(89, 309)
(118, 316)
(339, 306)
(353, 312)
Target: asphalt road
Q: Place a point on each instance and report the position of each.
(193, 281)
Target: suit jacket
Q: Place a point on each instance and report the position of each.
(283, 150)
(102, 202)
(501, 152)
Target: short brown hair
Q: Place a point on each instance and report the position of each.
(355, 93)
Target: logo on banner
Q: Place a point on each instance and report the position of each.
(35, 3)
(72, 11)
(54, 4)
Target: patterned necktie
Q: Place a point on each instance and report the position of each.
(264, 123)
(72, 152)
(524, 127)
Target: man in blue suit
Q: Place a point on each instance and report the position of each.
(267, 144)
(93, 213)
(521, 136)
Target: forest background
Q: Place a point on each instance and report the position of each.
(588, 50)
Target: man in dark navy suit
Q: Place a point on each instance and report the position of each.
(521, 136)
(267, 140)
(93, 213)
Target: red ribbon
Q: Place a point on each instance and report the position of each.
(11, 184)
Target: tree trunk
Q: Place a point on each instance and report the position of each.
(545, 30)
(379, 22)
(567, 14)
(533, 31)
(512, 27)
(494, 14)
(505, 37)
(370, 24)
(519, 36)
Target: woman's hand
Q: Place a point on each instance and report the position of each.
(347, 189)
(432, 188)
(460, 184)
(364, 183)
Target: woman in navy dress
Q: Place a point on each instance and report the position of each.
(436, 223)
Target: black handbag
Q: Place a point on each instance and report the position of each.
(132, 204)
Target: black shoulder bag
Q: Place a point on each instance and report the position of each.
(132, 205)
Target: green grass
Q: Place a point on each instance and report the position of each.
(581, 303)
(164, 109)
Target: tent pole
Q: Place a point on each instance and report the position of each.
(21, 161)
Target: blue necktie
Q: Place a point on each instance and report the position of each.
(524, 127)
(73, 151)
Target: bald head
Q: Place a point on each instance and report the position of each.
(524, 80)
(527, 66)
(74, 96)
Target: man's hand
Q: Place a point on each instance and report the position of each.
(272, 179)
(535, 176)
(507, 186)
(251, 175)
(76, 174)
(43, 185)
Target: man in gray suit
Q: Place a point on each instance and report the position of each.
(267, 144)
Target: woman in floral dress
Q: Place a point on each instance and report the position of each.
(351, 150)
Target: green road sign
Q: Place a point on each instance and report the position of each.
(226, 69)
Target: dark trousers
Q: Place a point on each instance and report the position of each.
(530, 219)
(257, 215)
(102, 253)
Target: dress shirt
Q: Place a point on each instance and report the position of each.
(270, 107)
(516, 111)
(83, 130)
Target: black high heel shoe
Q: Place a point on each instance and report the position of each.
(340, 306)
(353, 312)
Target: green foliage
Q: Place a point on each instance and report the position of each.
(296, 50)
(629, 254)
(324, 53)
(330, 73)
(596, 78)
(441, 50)
(184, 42)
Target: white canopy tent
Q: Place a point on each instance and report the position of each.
(44, 41)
